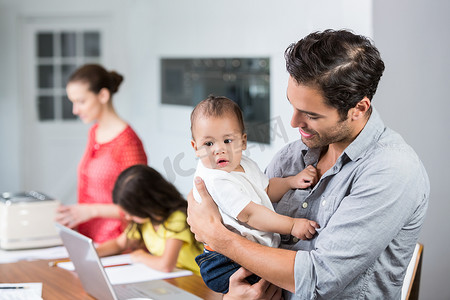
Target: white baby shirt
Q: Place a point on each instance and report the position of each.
(233, 191)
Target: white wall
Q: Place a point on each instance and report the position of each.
(13, 125)
(145, 31)
(214, 29)
(9, 105)
(414, 40)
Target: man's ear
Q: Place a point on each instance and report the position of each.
(244, 141)
(360, 109)
(104, 95)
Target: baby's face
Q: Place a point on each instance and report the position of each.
(218, 142)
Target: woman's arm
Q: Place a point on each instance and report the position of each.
(104, 210)
(72, 215)
(273, 264)
(165, 262)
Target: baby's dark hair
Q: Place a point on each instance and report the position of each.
(143, 192)
(97, 77)
(217, 106)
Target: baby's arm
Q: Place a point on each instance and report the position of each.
(262, 218)
(279, 186)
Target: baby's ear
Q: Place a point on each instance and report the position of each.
(244, 141)
(194, 145)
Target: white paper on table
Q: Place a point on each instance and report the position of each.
(132, 272)
(28, 291)
(140, 272)
(106, 261)
(116, 260)
(10, 256)
(67, 265)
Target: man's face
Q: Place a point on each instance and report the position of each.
(319, 124)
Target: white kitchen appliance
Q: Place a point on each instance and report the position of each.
(27, 221)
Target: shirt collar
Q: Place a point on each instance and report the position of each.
(370, 134)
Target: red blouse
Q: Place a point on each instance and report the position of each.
(97, 172)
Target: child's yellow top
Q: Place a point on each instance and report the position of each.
(174, 228)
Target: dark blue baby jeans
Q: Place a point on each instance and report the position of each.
(216, 270)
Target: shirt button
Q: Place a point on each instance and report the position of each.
(96, 146)
(324, 202)
(295, 239)
(305, 205)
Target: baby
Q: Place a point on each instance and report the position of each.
(242, 192)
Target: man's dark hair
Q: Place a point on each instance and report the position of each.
(344, 66)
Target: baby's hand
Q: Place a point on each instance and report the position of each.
(304, 229)
(305, 178)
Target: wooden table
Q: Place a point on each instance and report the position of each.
(58, 283)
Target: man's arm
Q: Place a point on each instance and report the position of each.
(273, 264)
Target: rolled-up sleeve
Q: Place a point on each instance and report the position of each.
(305, 277)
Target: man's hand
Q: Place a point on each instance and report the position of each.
(241, 289)
(204, 217)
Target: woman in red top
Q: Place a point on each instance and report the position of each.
(112, 147)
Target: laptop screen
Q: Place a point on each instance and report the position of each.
(87, 263)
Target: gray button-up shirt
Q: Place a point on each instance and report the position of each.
(370, 205)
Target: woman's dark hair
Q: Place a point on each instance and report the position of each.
(344, 66)
(142, 191)
(97, 77)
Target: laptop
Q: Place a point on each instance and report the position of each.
(95, 282)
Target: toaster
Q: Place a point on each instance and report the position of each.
(27, 221)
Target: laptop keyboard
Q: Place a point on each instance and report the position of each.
(124, 291)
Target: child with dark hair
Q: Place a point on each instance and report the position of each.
(157, 235)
